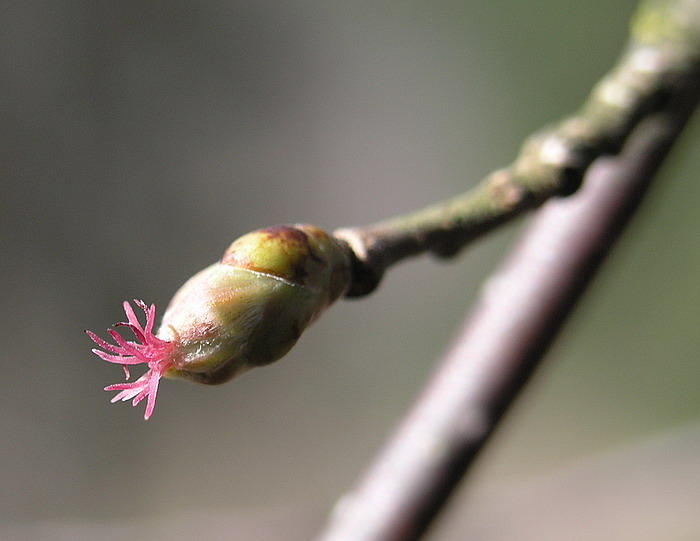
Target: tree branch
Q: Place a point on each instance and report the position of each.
(659, 60)
(524, 305)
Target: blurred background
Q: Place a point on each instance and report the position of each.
(137, 140)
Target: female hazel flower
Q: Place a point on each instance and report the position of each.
(246, 310)
(153, 351)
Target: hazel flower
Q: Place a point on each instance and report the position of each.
(149, 349)
(246, 310)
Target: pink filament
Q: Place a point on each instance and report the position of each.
(149, 349)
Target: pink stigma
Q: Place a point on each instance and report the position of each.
(149, 349)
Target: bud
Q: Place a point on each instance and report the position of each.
(250, 308)
(247, 310)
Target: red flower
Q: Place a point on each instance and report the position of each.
(149, 349)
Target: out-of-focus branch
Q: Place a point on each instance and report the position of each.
(524, 305)
(659, 61)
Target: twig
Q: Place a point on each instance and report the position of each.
(519, 313)
(660, 57)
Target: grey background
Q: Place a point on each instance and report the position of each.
(138, 139)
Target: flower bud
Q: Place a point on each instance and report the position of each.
(247, 310)
(250, 308)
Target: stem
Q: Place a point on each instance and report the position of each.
(521, 309)
(517, 317)
(659, 60)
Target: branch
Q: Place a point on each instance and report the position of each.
(658, 63)
(525, 304)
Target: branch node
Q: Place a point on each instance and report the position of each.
(367, 264)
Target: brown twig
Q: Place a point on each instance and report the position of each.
(519, 314)
(658, 61)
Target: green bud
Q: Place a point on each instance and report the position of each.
(250, 308)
